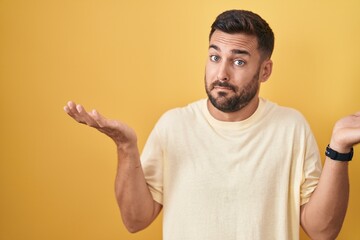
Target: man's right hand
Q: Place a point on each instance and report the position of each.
(137, 207)
(123, 135)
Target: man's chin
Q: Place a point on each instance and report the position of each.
(221, 97)
(220, 102)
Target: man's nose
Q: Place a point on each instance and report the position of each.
(223, 73)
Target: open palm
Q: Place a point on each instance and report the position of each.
(116, 130)
(346, 133)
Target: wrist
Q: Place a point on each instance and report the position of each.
(339, 156)
(341, 148)
(128, 157)
(126, 148)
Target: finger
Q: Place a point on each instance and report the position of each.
(105, 122)
(70, 109)
(357, 114)
(107, 126)
(75, 112)
(78, 113)
(66, 107)
(99, 119)
(84, 117)
(102, 122)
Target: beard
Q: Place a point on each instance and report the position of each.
(236, 102)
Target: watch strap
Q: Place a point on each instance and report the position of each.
(334, 155)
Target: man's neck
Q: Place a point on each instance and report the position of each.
(239, 115)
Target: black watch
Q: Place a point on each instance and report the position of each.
(334, 155)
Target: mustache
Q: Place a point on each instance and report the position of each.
(223, 84)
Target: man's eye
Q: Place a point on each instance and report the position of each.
(239, 62)
(214, 58)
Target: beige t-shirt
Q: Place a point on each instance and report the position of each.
(231, 180)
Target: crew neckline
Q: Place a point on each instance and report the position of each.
(237, 124)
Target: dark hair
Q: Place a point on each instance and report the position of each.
(242, 21)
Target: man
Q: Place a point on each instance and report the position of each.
(233, 166)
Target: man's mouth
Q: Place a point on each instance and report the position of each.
(223, 86)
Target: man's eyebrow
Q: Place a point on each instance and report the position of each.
(214, 47)
(238, 51)
(234, 51)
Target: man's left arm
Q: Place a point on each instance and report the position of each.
(322, 217)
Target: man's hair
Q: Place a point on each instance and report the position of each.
(247, 22)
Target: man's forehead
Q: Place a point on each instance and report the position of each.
(234, 41)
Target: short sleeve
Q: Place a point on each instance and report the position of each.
(152, 164)
(311, 169)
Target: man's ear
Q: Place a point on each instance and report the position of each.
(266, 69)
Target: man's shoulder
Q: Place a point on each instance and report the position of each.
(190, 109)
(188, 112)
(285, 113)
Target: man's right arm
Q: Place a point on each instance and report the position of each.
(137, 207)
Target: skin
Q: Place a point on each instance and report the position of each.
(322, 217)
(234, 70)
(137, 207)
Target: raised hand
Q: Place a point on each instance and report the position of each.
(116, 130)
(346, 133)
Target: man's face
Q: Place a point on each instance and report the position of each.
(232, 70)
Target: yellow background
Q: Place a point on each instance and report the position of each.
(133, 60)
